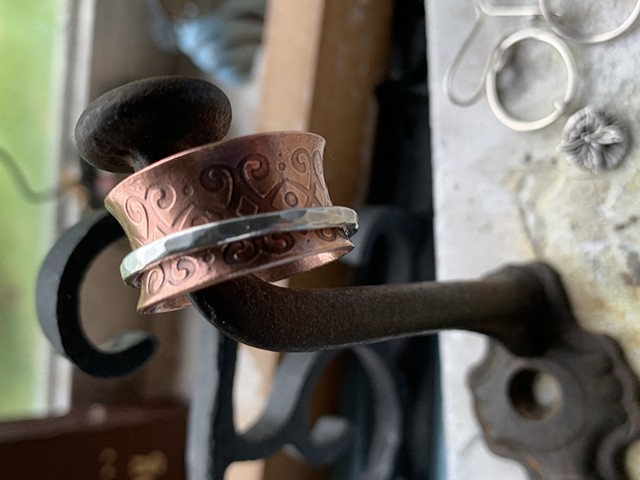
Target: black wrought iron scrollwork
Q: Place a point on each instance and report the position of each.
(58, 301)
(285, 421)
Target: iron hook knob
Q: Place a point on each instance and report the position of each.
(139, 123)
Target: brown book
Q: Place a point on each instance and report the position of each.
(97, 443)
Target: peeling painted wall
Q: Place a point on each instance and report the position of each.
(506, 197)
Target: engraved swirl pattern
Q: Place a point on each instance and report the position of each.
(175, 272)
(154, 215)
(223, 186)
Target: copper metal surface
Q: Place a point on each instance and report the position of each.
(248, 175)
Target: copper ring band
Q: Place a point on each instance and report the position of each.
(249, 175)
(224, 232)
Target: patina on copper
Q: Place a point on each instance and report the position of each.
(243, 176)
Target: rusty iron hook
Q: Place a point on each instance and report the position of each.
(509, 305)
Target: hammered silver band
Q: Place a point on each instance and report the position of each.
(232, 230)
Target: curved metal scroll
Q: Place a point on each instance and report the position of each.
(285, 421)
(58, 299)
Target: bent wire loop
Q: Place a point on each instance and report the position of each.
(554, 20)
(483, 10)
(499, 57)
(497, 61)
(555, 24)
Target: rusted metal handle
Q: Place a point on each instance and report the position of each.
(524, 307)
(509, 305)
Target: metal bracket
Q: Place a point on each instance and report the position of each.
(216, 444)
(568, 413)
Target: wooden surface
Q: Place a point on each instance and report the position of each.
(291, 41)
(119, 443)
(322, 62)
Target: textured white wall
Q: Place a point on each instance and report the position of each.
(504, 197)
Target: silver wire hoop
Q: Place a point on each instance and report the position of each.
(498, 63)
(492, 10)
(557, 27)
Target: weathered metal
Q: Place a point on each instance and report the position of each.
(58, 301)
(524, 307)
(594, 140)
(568, 413)
(584, 433)
(509, 305)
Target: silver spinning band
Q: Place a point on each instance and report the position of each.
(224, 232)
(497, 63)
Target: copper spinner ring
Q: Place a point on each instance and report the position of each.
(249, 175)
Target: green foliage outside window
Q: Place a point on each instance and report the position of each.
(31, 63)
